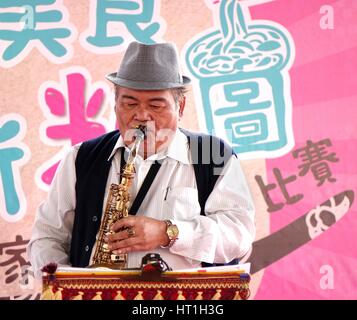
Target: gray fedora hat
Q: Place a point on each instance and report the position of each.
(149, 67)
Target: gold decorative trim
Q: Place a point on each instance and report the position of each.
(144, 285)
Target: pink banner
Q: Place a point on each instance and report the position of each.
(274, 78)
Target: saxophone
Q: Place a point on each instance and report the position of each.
(117, 207)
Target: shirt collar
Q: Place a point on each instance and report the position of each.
(119, 144)
(177, 150)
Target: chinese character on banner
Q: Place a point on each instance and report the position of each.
(315, 158)
(244, 97)
(25, 24)
(111, 21)
(282, 183)
(13, 155)
(73, 110)
(11, 257)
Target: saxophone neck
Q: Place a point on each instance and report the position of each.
(140, 133)
(135, 149)
(129, 168)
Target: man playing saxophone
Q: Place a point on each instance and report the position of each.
(169, 201)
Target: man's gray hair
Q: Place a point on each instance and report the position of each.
(179, 95)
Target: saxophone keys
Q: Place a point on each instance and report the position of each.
(119, 206)
(105, 247)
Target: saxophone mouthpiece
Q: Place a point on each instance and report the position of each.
(140, 131)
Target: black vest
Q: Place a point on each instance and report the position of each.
(92, 169)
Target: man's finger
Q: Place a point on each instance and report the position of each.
(126, 222)
(118, 245)
(121, 235)
(129, 249)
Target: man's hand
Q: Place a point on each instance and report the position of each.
(137, 234)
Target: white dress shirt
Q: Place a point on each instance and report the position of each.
(226, 232)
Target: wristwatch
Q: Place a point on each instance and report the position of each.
(172, 232)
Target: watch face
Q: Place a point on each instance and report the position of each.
(172, 232)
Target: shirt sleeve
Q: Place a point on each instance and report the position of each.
(227, 230)
(52, 229)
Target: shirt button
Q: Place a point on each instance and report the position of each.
(95, 218)
(86, 248)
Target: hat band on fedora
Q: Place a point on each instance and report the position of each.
(146, 85)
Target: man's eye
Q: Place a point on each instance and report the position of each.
(130, 105)
(156, 107)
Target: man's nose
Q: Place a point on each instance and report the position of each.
(142, 114)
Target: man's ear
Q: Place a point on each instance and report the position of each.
(182, 106)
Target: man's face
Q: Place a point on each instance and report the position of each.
(156, 109)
